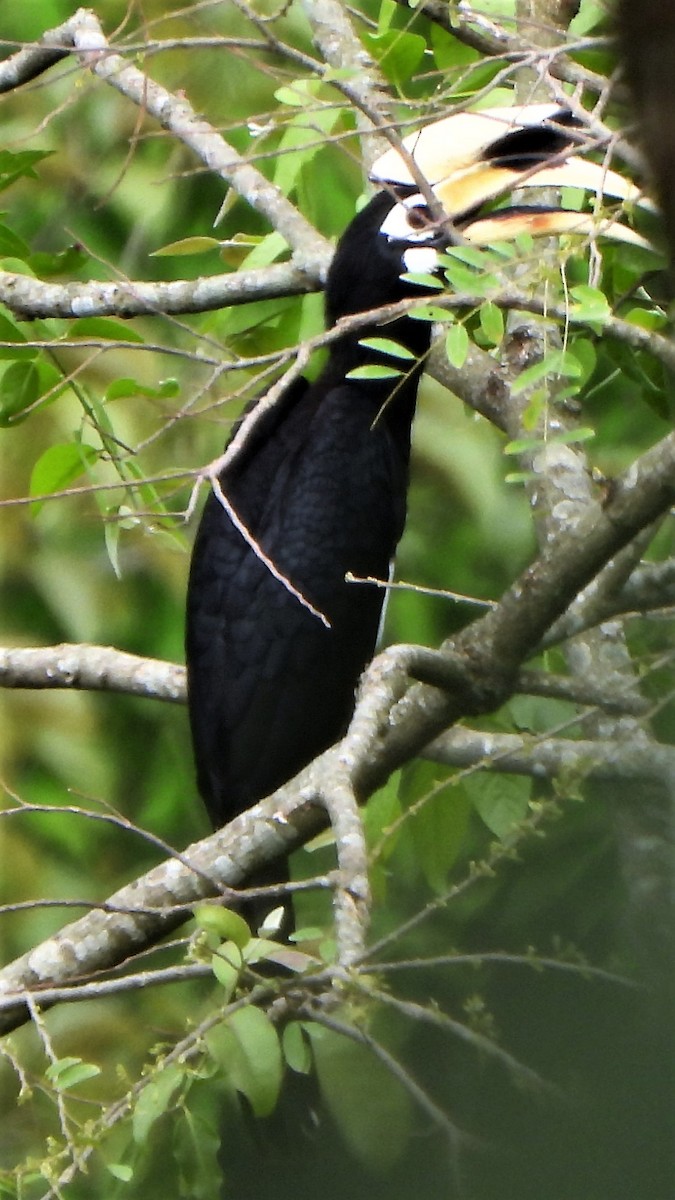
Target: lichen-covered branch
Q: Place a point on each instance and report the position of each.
(30, 299)
(93, 668)
(550, 757)
(393, 721)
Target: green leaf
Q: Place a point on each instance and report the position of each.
(422, 279)
(58, 467)
(520, 477)
(473, 256)
(556, 363)
(492, 322)
(10, 332)
(195, 1148)
(259, 949)
(300, 143)
(371, 1109)
(296, 1048)
(539, 714)
(297, 93)
(588, 17)
(449, 52)
(267, 251)
(386, 15)
(398, 53)
(228, 925)
(457, 345)
(647, 318)
(374, 371)
(16, 164)
(257, 1068)
(440, 822)
(463, 279)
(121, 388)
(111, 534)
(567, 438)
(120, 1171)
(226, 969)
(589, 304)
(432, 312)
(154, 1100)
(188, 245)
(586, 355)
(19, 389)
(105, 327)
(387, 346)
(501, 801)
(63, 262)
(233, 250)
(68, 1072)
(12, 244)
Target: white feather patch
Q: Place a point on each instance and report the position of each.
(420, 260)
(396, 225)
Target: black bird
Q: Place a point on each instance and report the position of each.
(321, 482)
(321, 486)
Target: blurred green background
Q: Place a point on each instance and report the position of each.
(110, 568)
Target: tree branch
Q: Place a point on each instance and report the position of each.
(549, 757)
(30, 299)
(93, 668)
(392, 722)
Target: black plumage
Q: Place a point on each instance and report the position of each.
(321, 480)
(321, 485)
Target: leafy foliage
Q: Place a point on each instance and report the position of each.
(499, 944)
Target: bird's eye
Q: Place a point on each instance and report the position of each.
(420, 217)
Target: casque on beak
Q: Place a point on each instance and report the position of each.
(470, 159)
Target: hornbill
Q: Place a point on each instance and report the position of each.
(320, 484)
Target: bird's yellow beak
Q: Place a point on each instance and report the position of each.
(470, 159)
(507, 224)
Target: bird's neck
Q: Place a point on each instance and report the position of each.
(391, 398)
(350, 353)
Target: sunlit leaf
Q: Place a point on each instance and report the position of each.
(491, 322)
(647, 318)
(398, 53)
(589, 304)
(67, 1073)
(226, 970)
(120, 1171)
(58, 468)
(227, 924)
(374, 371)
(190, 245)
(301, 140)
(457, 345)
(122, 388)
(422, 279)
(387, 346)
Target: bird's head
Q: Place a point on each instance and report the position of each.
(471, 160)
(386, 240)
